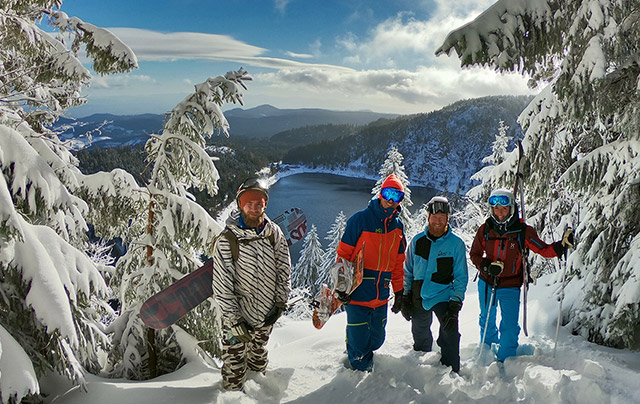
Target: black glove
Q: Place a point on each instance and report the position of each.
(397, 302)
(274, 314)
(567, 239)
(240, 332)
(484, 265)
(407, 307)
(343, 297)
(450, 318)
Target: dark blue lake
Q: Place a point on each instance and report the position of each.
(323, 196)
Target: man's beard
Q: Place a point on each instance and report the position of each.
(252, 222)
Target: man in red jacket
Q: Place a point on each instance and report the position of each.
(381, 232)
(497, 254)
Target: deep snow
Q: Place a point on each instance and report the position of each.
(307, 366)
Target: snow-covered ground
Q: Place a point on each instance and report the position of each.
(307, 366)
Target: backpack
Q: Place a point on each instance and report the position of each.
(234, 243)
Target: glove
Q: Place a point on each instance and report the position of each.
(274, 314)
(484, 265)
(567, 239)
(450, 317)
(495, 268)
(240, 332)
(343, 297)
(397, 302)
(407, 307)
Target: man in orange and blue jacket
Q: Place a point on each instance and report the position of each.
(380, 230)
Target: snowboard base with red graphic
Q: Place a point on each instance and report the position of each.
(346, 277)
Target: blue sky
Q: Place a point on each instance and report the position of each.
(335, 54)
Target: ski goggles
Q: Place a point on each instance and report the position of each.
(499, 200)
(392, 194)
(252, 183)
(438, 207)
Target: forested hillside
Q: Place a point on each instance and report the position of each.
(238, 159)
(442, 149)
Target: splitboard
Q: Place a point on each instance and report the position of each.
(346, 277)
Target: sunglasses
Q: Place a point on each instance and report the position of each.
(392, 194)
(500, 200)
(438, 207)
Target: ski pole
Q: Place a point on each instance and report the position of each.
(486, 321)
(564, 273)
(561, 298)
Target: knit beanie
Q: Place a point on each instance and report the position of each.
(251, 195)
(392, 181)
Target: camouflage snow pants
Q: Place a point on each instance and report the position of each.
(238, 357)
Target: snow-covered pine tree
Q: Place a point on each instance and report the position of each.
(49, 287)
(177, 232)
(334, 235)
(582, 139)
(499, 146)
(418, 222)
(393, 165)
(474, 210)
(305, 273)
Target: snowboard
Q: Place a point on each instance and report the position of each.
(171, 304)
(346, 277)
(293, 223)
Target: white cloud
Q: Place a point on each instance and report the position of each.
(299, 55)
(424, 89)
(158, 46)
(119, 80)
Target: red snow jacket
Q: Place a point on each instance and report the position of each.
(488, 243)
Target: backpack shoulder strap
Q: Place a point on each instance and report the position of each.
(233, 243)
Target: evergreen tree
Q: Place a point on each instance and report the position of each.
(51, 291)
(582, 139)
(305, 273)
(499, 146)
(177, 231)
(334, 235)
(417, 223)
(393, 165)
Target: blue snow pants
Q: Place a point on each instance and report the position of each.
(365, 334)
(509, 301)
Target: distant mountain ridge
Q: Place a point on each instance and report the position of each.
(266, 120)
(107, 130)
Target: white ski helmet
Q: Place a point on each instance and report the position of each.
(502, 197)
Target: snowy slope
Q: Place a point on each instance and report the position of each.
(307, 367)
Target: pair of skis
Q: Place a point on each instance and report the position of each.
(518, 187)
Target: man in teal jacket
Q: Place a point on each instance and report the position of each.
(435, 281)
